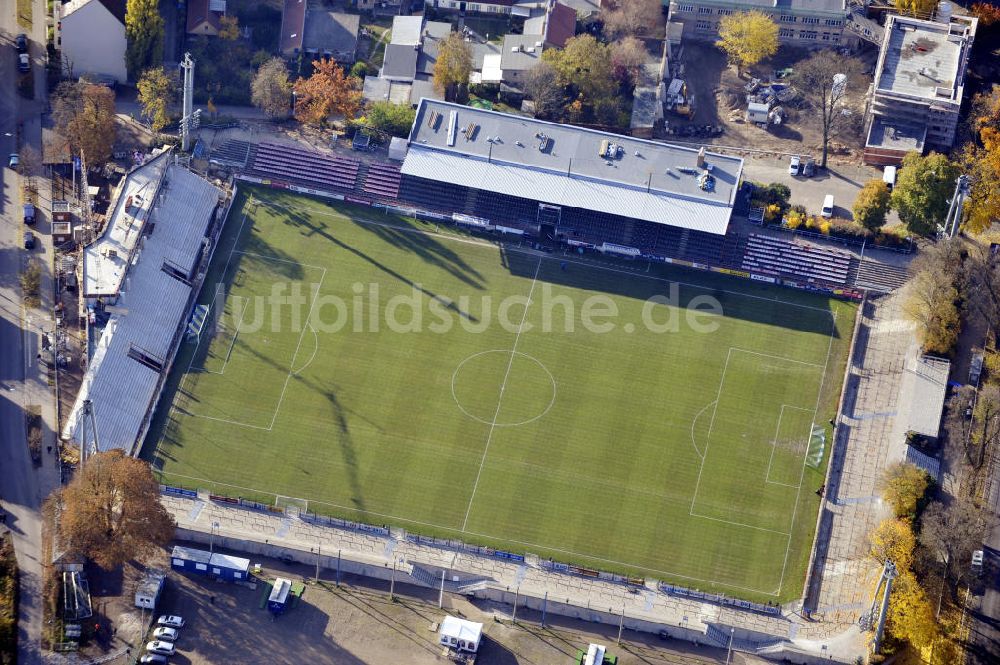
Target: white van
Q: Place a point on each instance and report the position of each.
(827, 210)
(889, 177)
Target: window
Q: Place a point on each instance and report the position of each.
(685, 8)
(725, 12)
(473, 8)
(786, 18)
(808, 34)
(703, 25)
(834, 22)
(786, 32)
(200, 566)
(704, 10)
(810, 20)
(826, 36)
(216, 571)
(238, 575)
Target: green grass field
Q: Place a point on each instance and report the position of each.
(687, 455)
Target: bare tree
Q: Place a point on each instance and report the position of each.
(824, 80)
(541, 84)
(630, 17)
(938, 283)
(952, 532)
(985, 424)
(627, 56)
(984, 286)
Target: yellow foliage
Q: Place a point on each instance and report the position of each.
(229, 28)
(911, 615)
(771, 212)
(824, 227)
(918, 8)
(903, 485)
(748, 37)
(793, 219)
(893, 539)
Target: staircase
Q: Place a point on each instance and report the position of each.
(433, 580)
(877, 276)
(359, 183)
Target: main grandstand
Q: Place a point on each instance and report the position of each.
(561, 185)
(140, 276)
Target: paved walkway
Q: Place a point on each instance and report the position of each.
(276, 535)
(874, 439)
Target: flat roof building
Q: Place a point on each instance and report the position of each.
(918, 86)
(809, 23)
(562, 165)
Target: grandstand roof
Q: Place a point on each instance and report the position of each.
(645, 181)
(105, 261)
(149, 311)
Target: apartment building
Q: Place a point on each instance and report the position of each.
(810, 23)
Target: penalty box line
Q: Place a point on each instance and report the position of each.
(701, 468)
(291, 365)
(774, 444)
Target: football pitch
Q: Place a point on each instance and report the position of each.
(641, 419)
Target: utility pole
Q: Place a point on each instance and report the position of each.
(392, 582)
(441, 592)
(317, 563)
(953, 220)
(517, 593)
(621, 623)
(729, 651)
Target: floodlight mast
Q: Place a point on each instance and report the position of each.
(187, 117)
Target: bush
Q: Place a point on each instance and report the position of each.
(360, 69)
(824, 227)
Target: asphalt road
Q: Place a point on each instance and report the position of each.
(20, 380)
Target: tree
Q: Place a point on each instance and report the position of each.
(824, 79)
(984, 285)
(911, 616)
(395, 119)
(327, 92)
(918, 8)
(144, 29)
(747, 38)
(111, 511)
(988, 14)
(628, 55)
(157, 91)
(985, 424)
(629, 17)
(903, 486)
(981, 161)
(584, 65)
(453, 66)
(872, 204)
(541, 84)
(938, 285)
(30, 165)
(923, 188)
(893, 540)
(229, 28)
(85, 115)
(271, 91)
(953, 532)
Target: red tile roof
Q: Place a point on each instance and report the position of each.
(293, 25)
(561, 25)
(198, 13)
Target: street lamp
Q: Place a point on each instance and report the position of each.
(729, 652)
(211, 538)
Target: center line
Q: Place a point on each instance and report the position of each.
(503, 386)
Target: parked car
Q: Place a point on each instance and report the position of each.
(166, 634)
(29, 213)
(154, 658)
(162, 648)
(29, 240)
(13, 160)
(809, 168)
(22, 43)
(171, 620)
(23, 62)
(794, 165)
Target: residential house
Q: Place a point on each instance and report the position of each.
(82, 53)
(556, 26)
(204, 17)
(408, 65)
(519, 54)
(473, 7)
(918, 88)
(293, 27)
(810, 23)
(332, 34)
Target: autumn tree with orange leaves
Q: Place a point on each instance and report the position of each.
(327, 92)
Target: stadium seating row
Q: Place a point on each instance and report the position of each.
(774, 256)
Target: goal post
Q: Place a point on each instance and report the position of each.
(292, 506)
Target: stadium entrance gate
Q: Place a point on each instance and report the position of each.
(548, 219)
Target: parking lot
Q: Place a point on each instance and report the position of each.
(357, 624)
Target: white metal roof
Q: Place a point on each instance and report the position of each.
(105, 261)
(491, 67)
(190, 554)
(562, 165)
(560, 189)
(406, 30)
(279, 592)
(152, 307)
(461, 629)
(230, 562)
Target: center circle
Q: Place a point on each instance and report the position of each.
(503, 388)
